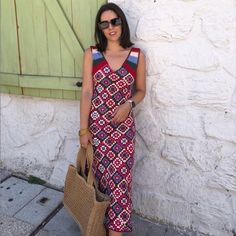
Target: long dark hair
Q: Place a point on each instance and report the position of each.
(100, 39)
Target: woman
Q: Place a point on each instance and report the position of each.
(113, 83)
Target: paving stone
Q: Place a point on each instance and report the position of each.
(10, 226)
(48, 233)
(143, 227)
(40, 207)
(192, 233)
(16, 193)
(172, 232)
(61, 224)
(4, 174)
(24, 206)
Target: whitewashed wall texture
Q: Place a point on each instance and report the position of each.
(185, 162)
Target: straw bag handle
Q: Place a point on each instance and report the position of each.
(83, 156)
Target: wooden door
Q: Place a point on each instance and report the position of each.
(42, 44)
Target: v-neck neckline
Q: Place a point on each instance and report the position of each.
(121, 64)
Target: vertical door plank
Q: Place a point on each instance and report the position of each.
(81, 27)
(67, 60)
(82, 21)
(31, 92)
(93, 9)
(75, 13)
(67, 8)
(100, 2)
(77, 69)
(68, 94)
(9, 57)
(15, 90)
(39, 24)
(56, 93)
(77, 95)
(54, 48)
(4, 89)
(27, 37)
(66, 56)
(45, 93)
(65, 30)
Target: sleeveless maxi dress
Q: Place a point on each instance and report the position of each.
(113, 143)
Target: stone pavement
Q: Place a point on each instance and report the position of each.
(28, 209)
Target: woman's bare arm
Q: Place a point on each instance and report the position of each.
(86, 95)
(140, 82)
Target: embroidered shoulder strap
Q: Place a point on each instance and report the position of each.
(132, 61)
(98, 59)
(133, 58)
(97, 56)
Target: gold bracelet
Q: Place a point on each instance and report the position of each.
(83, 132)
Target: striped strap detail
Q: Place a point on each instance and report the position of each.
(133, 58)
(97, 56)
(134, 55)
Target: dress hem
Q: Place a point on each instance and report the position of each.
(122, 231)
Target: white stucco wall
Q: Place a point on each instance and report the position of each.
(185, 162)
(39, 136)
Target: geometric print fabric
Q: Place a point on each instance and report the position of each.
(113, 143)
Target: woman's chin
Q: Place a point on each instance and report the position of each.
(113, 39)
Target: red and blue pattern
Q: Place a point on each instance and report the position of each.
(113, 143)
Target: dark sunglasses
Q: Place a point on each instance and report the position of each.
(105, 24)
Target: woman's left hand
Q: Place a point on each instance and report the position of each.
(121, 113)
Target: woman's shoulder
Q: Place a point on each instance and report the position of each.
(135, 48)
(90, 50)
(88, 53)
(138, 51)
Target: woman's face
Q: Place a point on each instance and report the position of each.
(112, 33)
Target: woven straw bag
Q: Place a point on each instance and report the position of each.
(86, 204)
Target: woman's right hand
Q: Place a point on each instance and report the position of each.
(85, 139)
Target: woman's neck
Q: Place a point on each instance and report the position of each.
(114, 46)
